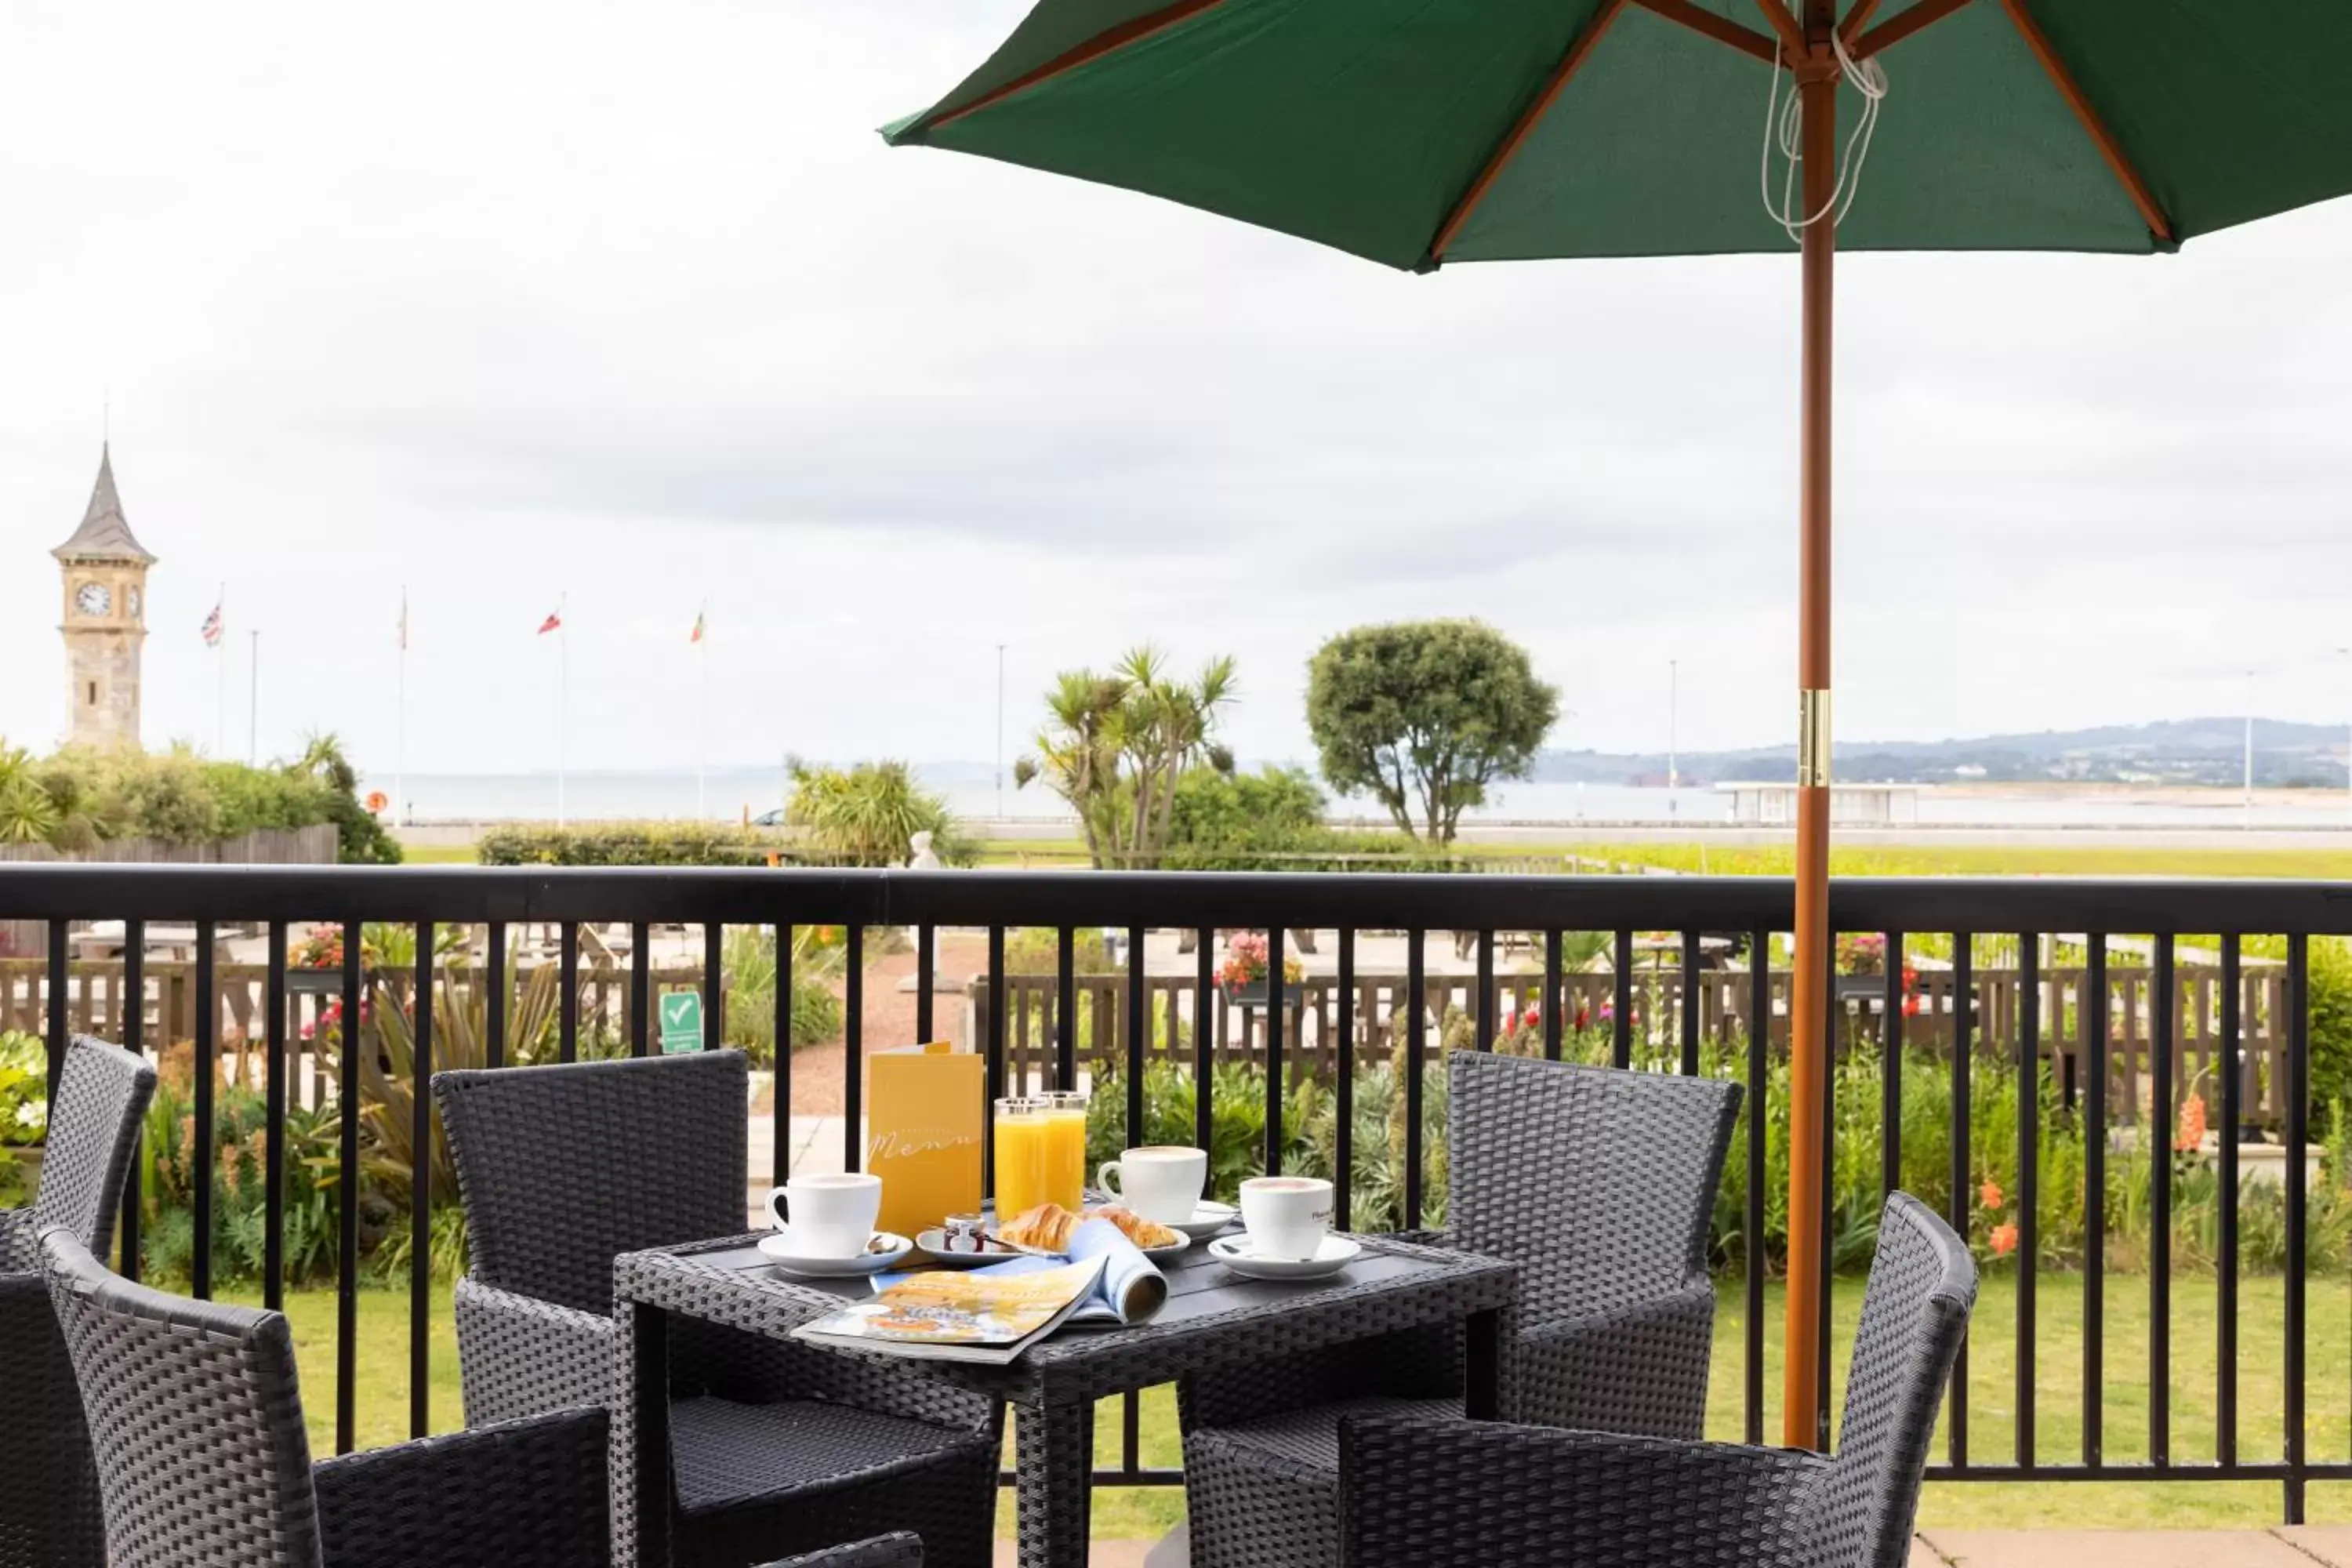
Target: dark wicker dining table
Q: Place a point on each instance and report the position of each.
(1212, 1319)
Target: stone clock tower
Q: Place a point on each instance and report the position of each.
(105, 572)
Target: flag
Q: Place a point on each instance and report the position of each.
(403, 620)
(700, 616)
(553, 622)
(212, 628)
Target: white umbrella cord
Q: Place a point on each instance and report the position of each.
(1784, 122)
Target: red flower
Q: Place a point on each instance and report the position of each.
(2003, 1239)
(2190, 1137)
(1990, 1195)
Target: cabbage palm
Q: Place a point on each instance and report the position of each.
(1116, 743)
(27, 813)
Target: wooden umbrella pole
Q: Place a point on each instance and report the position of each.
(1809, 1009)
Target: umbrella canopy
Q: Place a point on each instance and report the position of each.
(1418, 133)
(1411, 133)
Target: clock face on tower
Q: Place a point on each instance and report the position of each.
(93, 599)
(130, 601)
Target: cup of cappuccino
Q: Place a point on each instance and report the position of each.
(1286, 1216)
(830, 1216)
(1161, 1183)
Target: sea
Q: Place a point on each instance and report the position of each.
(733, 794)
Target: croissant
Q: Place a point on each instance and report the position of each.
(1138, 1229)
(1047, 1226)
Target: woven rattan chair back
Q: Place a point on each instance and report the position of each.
(1923, 1284)
(103, 1094)
(562, 1169)
(1599, 1183)
(195, 1419)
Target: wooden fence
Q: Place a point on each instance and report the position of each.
(1311, 1013)
(97, 1002)
(317, 845)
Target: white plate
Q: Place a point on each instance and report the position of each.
(1207, 1219)
(1336, 1253)
(892, 1252)
(934, 1243)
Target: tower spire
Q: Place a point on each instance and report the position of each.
(104, 534)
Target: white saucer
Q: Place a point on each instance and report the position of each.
(934, 1243)
(1207, 1219)
(892, 1252)
(1336, 1253)
(1174, 1250)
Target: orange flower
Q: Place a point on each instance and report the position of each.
(1990, 1195)
(2191, 1134)
(2003, 1239)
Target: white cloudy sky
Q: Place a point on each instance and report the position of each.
(627, 302)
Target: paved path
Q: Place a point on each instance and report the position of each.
(2304, 1546)
(2308, 1546)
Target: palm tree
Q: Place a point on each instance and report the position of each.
(27, 813)
(1116, 743)
(865, 816)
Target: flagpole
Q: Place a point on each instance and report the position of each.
(220, 676)
(562, 697)
(400, 720)
(252, 704)
(702, 719)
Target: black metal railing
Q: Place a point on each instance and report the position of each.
(1912, 916)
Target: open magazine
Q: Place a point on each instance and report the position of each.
(993, 1314)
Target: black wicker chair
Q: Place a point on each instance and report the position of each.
(1441, 1494)
(1601, 1185)
(195, 1414)
(776, 1447)
(50, 1514)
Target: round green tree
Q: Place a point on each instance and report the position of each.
(1424, 715)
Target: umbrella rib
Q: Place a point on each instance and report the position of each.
(1579, 48)
(1792, 37)
(1856, 20)
(1722, 29)
(2109, 149)
(1894, 29)
(1129, 32)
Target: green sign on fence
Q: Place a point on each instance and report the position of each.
(681, 1021)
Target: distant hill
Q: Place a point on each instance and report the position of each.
(2174, 750)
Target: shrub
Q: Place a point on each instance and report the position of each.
(169, 1167)
(2331, 1026)
(24, 1088)
(88, 796)
(630, 844)
(869, 814)
(749, 963)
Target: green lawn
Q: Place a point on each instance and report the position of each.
(1130, 1512)
(1930, 858)
(1925, 858)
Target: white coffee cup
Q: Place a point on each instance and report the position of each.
(832, 1217)
(1161, 1183)
(1286, 1216)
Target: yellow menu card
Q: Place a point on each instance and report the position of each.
(923, 1122)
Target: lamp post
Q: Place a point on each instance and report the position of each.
(2346, 653)
(253, 702)
(1674, 720)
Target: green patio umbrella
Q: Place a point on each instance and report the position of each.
(1422, 132)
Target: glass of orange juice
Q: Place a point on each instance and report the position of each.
(1066, 1149)
(1020, 1163)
